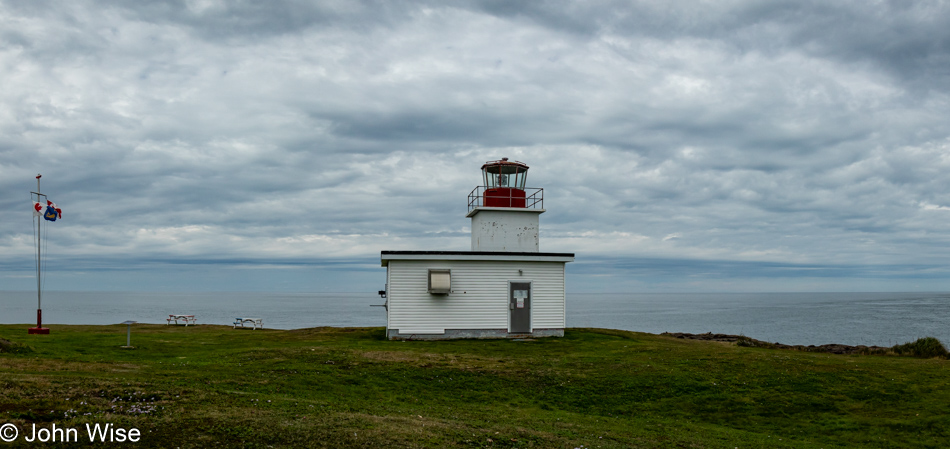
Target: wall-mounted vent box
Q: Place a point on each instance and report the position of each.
(440, 281)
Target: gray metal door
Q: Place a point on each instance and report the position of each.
(519, 304)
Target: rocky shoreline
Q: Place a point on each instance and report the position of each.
(741, 340)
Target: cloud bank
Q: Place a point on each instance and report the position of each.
(688, 146)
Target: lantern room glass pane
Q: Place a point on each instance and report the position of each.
(505, 176)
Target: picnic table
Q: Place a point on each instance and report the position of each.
(256, 323)
(186, 318)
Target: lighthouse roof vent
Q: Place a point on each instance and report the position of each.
(504, 166)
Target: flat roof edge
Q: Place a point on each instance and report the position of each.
(494, 256)
(478, 209)
(475, 253)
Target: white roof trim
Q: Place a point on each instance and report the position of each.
(476, 255)
(504, 209)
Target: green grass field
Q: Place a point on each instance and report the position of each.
(211, 386)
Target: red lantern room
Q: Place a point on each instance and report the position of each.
(504, 183)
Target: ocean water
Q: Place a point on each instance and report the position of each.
(882, 319)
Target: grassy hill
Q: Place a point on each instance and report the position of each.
(211, 386)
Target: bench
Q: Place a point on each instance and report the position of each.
(186, 318)
(256, 323)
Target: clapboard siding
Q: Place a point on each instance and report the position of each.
(479, 297)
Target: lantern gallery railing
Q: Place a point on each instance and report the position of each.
(484, 196)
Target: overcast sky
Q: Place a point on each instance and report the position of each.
(281, 145)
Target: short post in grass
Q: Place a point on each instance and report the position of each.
(128, 334)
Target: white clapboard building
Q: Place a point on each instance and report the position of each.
(503, 288)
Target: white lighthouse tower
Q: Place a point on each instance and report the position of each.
(504, 214)
(503, 287)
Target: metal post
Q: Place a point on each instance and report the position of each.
(39, 259)
(39, 329)
(128, 334)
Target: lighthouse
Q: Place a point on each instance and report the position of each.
(504, 212)
(503, 287)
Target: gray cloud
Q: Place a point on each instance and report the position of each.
(763, 138)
